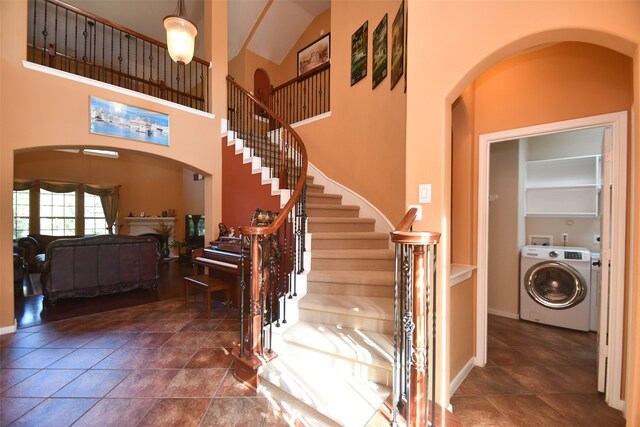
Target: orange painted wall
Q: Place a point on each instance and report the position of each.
(243, 191)
(362, 144)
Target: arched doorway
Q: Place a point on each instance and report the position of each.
(510, 109)
(262, 88)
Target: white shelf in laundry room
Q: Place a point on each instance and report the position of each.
(567, 186)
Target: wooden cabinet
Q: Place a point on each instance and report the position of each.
(563, 187)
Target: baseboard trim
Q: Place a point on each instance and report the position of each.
(9, 329)
(501, 313)
(455, 383)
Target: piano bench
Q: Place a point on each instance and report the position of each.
(208, 284)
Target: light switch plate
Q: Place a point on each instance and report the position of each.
(424, 193)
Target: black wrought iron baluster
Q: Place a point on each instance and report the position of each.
(45, 33)
(150, 69)
(93, 29)
(178, 82)
(111, 59)
(33, 32)
(85, 34)
(55, 40)
(164, 69)
(120, 58)
(66, 36)
(272, 275)
(75, 53)
(102, 61)
(433, 332)
(202, 84)
(242, 289)
(251, 301)
(158, 87)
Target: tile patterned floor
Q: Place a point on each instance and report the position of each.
(149, 365)
(536, 375)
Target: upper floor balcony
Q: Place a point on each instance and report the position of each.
(69, 39)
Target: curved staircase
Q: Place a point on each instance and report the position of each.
(334, 364)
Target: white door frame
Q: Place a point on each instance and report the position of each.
(618, 122)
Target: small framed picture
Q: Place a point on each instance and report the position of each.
(314, 55)
(359, 48)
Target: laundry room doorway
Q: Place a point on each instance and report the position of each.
(609, 206)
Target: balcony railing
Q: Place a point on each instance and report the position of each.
(303, 97)
(66, 38)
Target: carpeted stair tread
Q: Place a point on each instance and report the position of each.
(365, 307)
(353, 254)
(377, 278)
(350, 235)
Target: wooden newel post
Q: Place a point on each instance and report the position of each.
(254, 356)
(419, 372)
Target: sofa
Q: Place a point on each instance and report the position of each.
(98, 265)
(34, 245)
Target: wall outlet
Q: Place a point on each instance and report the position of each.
(596, 239)
(565, 238)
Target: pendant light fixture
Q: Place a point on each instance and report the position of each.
(181, 34)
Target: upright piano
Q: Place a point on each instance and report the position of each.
(222, 259)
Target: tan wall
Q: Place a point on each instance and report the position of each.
(243, 66)
(504, 240)
(41, 110)
(148, 184)
(361, 144)
(462, 341)
(451, 44)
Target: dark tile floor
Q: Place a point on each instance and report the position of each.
(148, 365)
(536, 375)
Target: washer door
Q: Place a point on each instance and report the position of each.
(555, 285)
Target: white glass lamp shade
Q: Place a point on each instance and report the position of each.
(181, 35)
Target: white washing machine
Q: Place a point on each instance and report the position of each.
(554, 286)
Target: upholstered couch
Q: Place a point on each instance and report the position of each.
(34, 245)
(98, 265)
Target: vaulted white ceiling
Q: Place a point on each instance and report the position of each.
(282, 25)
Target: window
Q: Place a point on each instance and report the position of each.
(20, 213)
(94, 221)
(57, 213)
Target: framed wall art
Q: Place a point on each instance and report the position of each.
(359, 48)
(397, 46)
(379, 66)
(125, 121)
(314, 55)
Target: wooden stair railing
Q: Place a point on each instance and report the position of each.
(415, 325)
(70, 39)
(275, 245)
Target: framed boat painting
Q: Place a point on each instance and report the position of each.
(118, 120)
(314, 55)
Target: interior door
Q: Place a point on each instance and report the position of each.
(605, 259)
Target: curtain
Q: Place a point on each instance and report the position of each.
(22, 184)
(59, 187)
(109, 197)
